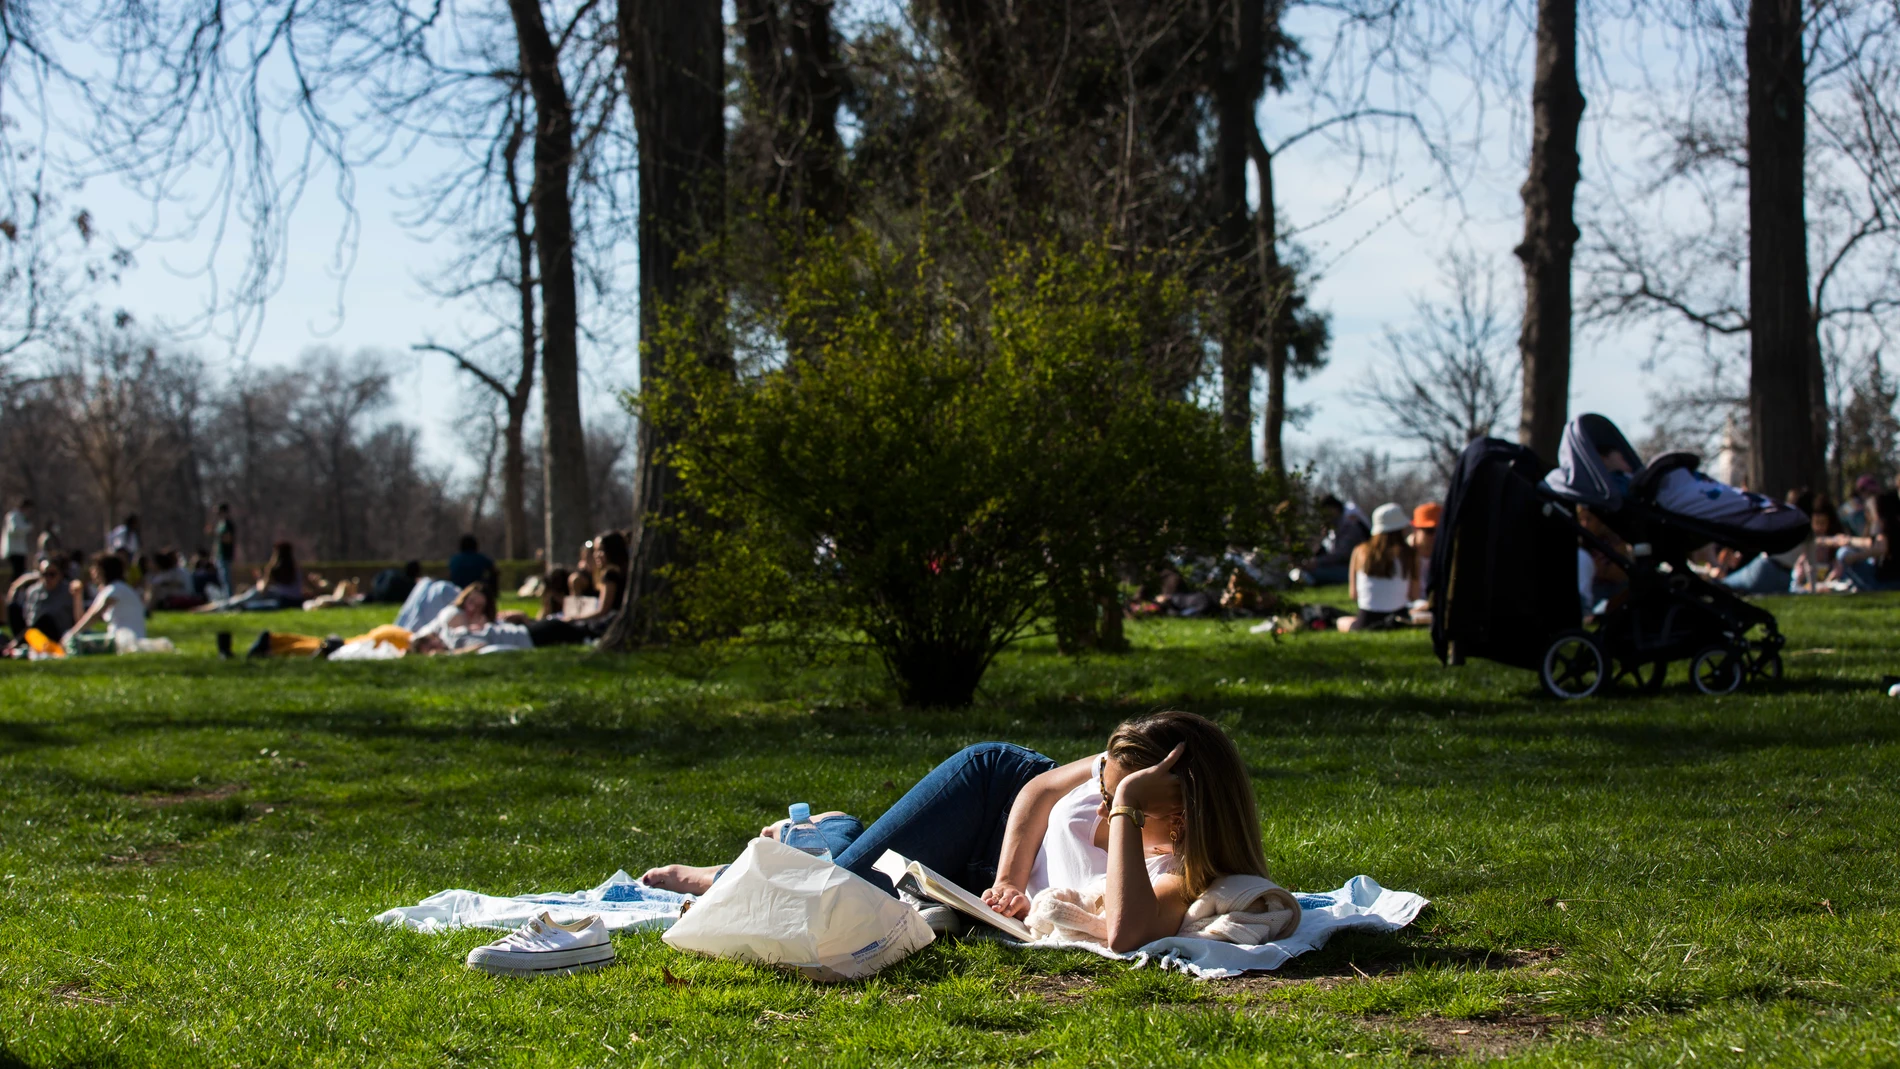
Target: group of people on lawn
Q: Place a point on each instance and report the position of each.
(1847, 551)
(54, 606)
(459, 615)
(1384, 560)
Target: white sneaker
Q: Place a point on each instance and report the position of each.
(546, 947)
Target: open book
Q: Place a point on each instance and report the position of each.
(921, 880)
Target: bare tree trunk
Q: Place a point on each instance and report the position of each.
(1784, 346)
(514, 505)
(1238, 79)
(563, 445)
(673, 54)
(1821, 416)
(1274, 290)
(480, 503)
(791, 59)
(1550, 229)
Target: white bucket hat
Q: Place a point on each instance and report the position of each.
(1388, 518)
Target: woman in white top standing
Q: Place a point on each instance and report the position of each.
(1164, 811)
(1383, 574)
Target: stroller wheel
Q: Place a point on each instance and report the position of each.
(1716, 670)
(1574, 666)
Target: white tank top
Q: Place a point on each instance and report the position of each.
(1384, 593)
(1068, 856)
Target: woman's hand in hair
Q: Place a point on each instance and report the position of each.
(1007, 899)
(1155, 789)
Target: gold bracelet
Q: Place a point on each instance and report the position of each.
(1139, 818)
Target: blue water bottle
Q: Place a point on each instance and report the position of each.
(803, 834)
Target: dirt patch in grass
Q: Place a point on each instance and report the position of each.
(1491, 1037)
(81, 992)
(196, 794)
(1060, 989)
(156, 854)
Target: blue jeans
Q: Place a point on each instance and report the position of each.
(1861, 573)
(952, 820)
(1759, 576)
(224, 576)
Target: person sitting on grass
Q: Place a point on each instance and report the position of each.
(1165, 810)
(120, 606)
(471, 565)
(553, 595)
(1345, 530)
(204, 575)
(1424, 538)
(610, 571)
(1383, 576)
(169, 584)
(42, 599)
(1876, 565)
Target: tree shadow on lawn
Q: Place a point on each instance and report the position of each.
(1476, 744)
(644, 715)
(19, 736)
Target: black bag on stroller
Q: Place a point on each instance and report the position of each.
(1503, 577)
(1505, 567)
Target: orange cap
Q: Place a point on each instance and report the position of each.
(1426, 515)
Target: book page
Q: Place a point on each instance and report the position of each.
(948, 893)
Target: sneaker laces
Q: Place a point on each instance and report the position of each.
(522, 935)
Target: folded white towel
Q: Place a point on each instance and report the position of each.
(1248, 910)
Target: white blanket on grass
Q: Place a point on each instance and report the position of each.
(1360, 905)
(625, 904)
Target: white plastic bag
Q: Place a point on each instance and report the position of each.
(780, 906)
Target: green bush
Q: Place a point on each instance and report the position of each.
(940, 468)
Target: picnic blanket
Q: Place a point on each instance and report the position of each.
(626, 904)
(1360, 905)
(623, 903)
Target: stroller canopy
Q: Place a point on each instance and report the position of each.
(1687, 500)
(1581, 475)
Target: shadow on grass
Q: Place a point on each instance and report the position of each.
(1352, 954)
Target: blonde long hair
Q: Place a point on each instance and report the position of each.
(1378, 555)
(1220, 817)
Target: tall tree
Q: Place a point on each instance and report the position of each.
(1550, 229)
(1239, 77)
(564, 443)
(789, 147)
(1784, 343)
(673, 55)
(1782, 157)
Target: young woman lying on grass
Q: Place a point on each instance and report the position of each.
(1161, 814)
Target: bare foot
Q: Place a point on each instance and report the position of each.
(684, 879)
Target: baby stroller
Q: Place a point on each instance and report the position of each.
(1504, 568)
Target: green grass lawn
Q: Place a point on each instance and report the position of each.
(190, 851)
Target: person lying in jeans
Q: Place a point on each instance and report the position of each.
(1165, 810)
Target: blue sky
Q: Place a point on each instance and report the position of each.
(1381, 252)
